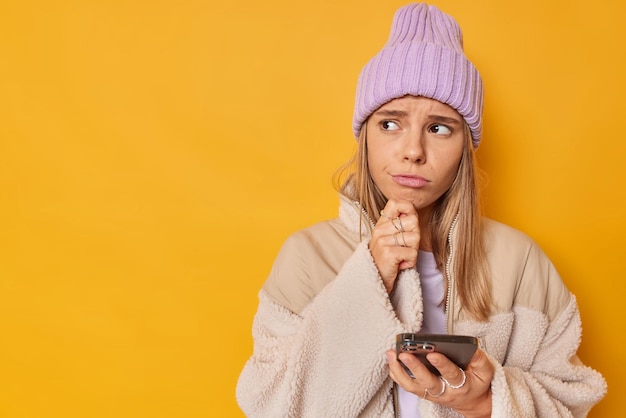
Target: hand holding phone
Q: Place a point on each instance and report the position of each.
(458, 348)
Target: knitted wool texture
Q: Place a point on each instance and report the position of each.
(423, 57)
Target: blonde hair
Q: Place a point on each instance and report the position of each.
(459, 205)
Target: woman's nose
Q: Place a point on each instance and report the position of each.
(414, 147)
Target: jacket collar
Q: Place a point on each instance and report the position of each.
(354, 217)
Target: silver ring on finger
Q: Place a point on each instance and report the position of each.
(437, 395)
(399, 226)
(403, 240)
(460, 385)
(395, 239)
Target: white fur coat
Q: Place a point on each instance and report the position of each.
(323, 355)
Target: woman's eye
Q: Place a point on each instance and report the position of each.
(388, 125)
(440, 129)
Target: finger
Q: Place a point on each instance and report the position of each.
(447, 368)
(481, 367)
(421, 375)
(397, 371)
(400, 222)
(396, 208)
(403, 376)
(409, 223)
(403, 257)
(403, 239)
(391, 260)
(392, 254)
(387, 260)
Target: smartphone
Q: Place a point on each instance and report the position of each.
(458, 348)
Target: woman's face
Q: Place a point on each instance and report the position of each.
(414, 149)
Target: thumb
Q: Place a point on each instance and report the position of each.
(481, 366)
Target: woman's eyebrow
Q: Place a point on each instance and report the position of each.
(391, 112)
(403, 113)
(445, 119)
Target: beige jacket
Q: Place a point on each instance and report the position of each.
(325, 320)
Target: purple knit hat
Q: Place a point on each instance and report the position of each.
(423, 57)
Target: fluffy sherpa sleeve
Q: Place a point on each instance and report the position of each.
(532, 343)
(541, 375)
(549, 381)
(328, 360)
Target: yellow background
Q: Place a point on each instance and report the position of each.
(155, 154)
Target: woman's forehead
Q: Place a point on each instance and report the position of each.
(409, 103)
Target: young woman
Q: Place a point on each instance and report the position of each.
(410, 252)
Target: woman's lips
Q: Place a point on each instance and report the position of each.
(410, 181)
